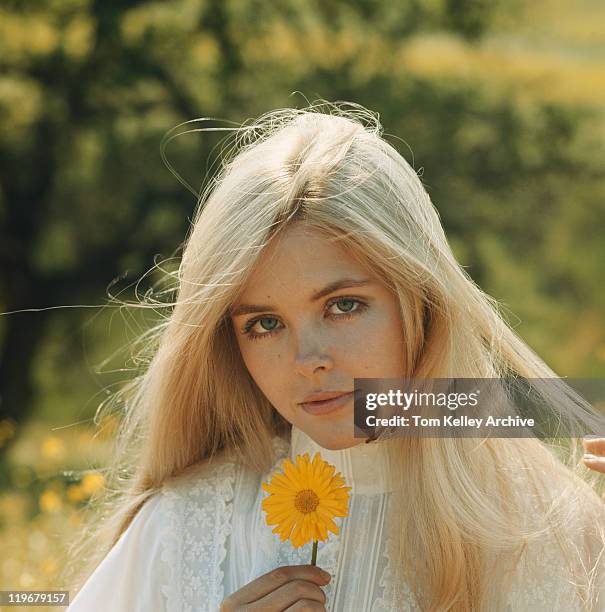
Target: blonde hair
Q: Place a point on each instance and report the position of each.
(328, 167)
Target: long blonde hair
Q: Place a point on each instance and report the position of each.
(327, 166)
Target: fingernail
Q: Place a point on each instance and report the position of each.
(589, 457)
(327, 576)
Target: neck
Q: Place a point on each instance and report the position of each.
(365, 467)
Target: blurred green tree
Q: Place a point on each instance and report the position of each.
(88, 88)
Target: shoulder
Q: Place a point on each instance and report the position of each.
(197, 493)
(216, 476)
(207, 490)
(130, 576)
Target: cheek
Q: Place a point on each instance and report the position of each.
(252, 360)
(262, 363)
(380, 344)
(266, 368)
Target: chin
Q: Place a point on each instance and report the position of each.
(334, 444)
(338, 446)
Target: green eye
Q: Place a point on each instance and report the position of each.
(346, 301)
(350, 308)
(264, 319)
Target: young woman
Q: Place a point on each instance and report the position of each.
(316, 257)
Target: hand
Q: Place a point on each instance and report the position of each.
(595, 454)
(290, 587)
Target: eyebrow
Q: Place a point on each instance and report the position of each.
(343, 283)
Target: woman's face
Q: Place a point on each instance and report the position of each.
(296, 342)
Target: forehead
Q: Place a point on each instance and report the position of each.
(302, 259)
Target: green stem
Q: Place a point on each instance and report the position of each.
(314, 553)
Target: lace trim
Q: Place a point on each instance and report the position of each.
(170, 552)
(327, 559)
(225, 510)
(395, 596)
(198, 512)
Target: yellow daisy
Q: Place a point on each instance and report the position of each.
(304, 499)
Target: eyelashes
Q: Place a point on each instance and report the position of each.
(361, 306)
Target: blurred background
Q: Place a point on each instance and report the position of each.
(498, 104)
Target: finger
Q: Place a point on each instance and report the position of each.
(289, 594)
(594, 463)
(269, 582)
(594, 446)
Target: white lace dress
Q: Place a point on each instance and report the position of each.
(204, 536)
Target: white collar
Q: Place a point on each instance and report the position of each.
(365, 467)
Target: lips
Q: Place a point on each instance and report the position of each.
(335, 400)
(323, 395)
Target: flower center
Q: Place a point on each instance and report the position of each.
(306, 501)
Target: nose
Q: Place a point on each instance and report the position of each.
(312, 356)
(309, 366)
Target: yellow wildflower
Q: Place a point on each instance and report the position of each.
(92, 483)
(304, 499)
(50, 501)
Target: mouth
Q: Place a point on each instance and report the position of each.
(327, 406)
